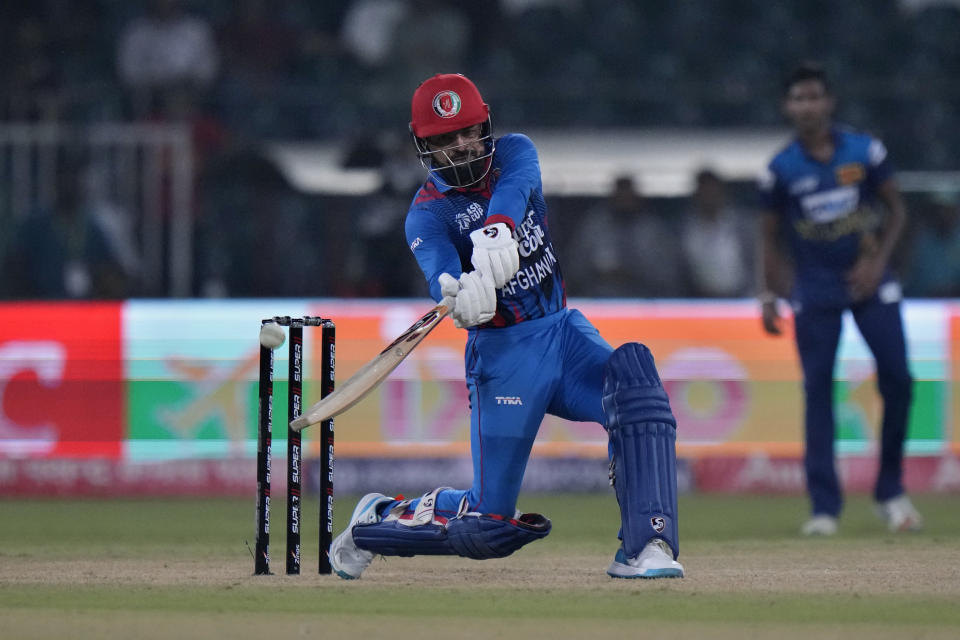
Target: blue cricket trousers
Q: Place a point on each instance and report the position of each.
(515, 376)
(818, 336)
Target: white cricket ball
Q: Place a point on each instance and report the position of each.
(271, 335)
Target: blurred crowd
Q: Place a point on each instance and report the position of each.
(239, 73)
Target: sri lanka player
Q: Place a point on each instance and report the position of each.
(827, 192)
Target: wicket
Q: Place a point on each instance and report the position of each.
(294, 445)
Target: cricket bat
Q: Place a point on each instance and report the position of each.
(374, 372)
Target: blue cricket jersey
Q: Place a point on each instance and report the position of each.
(440, 220)
(827, 209)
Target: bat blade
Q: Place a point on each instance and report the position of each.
(370, 375)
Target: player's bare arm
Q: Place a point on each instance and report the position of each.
(867, 273)
(773, 267)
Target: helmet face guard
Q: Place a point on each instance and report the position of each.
(443, 104)
(460, 172)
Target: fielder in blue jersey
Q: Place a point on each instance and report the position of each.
(831, 196)
(478, 228)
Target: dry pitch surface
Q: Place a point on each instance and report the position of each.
(180, 569)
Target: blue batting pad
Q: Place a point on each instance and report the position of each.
(472, 536)
(642, 432)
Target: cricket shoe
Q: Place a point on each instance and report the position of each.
(655, 561)
(819, 525)
(346, 559)
(900, 514)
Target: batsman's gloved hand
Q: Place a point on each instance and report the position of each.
(495, 253)
(473, 296)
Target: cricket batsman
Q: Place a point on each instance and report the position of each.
(478, 229)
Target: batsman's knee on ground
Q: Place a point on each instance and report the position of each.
(409, 531)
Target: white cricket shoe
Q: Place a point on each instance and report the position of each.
(655, 561)
(819, 525)
(346, 559)
(900, 514)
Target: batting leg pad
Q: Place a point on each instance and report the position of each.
(470, 535)
(483, 536)
(642, 432)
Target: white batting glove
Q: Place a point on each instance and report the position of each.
(495, 253)
(449, 288)
(474, 298)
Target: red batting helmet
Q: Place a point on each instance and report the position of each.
(444, 103)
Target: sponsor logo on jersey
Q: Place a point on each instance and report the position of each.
(851, 173)
(530, 236)
(509, 400)
(861, 221)
(465, 219)
(827, 206)
(806, 184)
(446, 104)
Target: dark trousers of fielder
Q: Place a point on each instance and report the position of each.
(818, 336)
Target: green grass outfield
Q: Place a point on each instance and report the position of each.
(182, 569)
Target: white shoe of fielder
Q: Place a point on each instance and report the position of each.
(346, 559)
(819, 525)
(900, 514)
(655, 561)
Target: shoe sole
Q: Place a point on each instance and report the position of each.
(345, 575)
(818, 534)
(650, 574)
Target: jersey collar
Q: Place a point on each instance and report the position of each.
(442, 187)
(835, 135)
